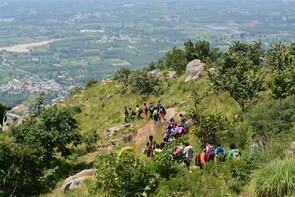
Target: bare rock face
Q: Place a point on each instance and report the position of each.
(172, 74)
(290, 151)
(125, 139)
(156, 73)
(194, 70)
(112, 131)
(75, 181)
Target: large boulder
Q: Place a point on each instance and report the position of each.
(75, 181)
(194, 70)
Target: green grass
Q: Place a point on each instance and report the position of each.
(277, 179)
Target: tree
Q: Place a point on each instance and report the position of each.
(23, 171)
(54, 131)
(239, 72)
(175, 58)
(143, 83)
(122, 174)
(279, 57)
(40, 103)
(3, 110)
(189, 51)
(122, 76)
(200, 50)
(281, 60)
(209, 125)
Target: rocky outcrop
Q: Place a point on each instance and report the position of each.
(114, 130)
(290, 151)
(156, 73)
(194, 70)
(75, 181)
(168, 74)
(172, 74)
(125, 139)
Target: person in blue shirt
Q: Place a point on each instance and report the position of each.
(220, 152)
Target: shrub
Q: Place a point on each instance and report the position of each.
(277, 179)
(273, 116)
(210, 126)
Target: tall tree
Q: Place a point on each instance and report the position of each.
(239, 72)
(281, 60)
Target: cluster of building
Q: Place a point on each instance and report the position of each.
(32, 86)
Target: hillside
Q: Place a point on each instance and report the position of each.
(244, 96)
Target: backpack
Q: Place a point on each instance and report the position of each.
(133, 113)
(163, 110)
(210, 154)
(140, 111)
(198, 160)
(236, 154)
(151, 108)
(220, 154)
(155, 114)
(146, 108)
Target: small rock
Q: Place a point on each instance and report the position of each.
(172, 74)
(109, 96)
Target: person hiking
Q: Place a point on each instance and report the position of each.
(209, 152)
(159, 105)
(151, 110)
(132, 114)
(157, 150)
(188, 154)
(155, 116)
(163, 112)
(220, 153)
(125, 115)
(184, 122)
(234, 152)
(138, 111)
(150, 146)
(145, 110)
(178, 150)
(256, 145)
(201, 158)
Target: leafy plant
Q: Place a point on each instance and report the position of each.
(276, 179)
(209, 125)
(54, 130)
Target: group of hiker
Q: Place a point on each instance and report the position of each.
(218, 154)
(154, 112)
(173, 130)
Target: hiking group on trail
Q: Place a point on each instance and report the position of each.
(174, 130)
(156, 113)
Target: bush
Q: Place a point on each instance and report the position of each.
(272, 117)
(210, 126)
(277, 179)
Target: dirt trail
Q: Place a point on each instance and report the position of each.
(150, 128)
(141, 136)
